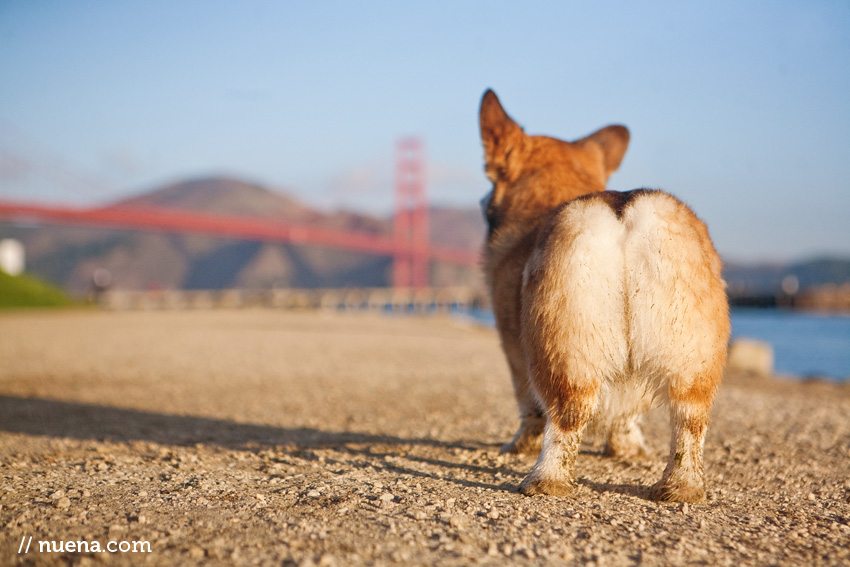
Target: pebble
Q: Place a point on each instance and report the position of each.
(457, 521)
(63, 503)
(196, 552)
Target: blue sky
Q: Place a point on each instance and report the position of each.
(739, 108)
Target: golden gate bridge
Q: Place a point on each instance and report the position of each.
(409, 245)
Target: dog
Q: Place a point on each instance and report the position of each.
(605, 302)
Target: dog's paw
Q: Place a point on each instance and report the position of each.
(528, 439)
(625, 441)
(633, 452)
(533, 485)
(663, 491)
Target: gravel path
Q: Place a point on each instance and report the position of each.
(276, 438)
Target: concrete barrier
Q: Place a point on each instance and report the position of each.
(751, 356)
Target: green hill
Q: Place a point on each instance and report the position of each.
(27, 291)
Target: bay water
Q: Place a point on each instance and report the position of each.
(805, 345)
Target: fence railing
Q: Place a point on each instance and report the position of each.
(354, 299)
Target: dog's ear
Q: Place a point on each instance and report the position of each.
(613, 140)
(503, 140)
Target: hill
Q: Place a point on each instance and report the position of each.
(69, 256)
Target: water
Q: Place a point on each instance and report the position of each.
(804, 344)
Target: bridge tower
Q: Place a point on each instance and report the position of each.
(410, 257)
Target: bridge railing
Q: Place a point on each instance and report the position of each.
(408, 300)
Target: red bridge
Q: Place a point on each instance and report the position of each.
(409, 245)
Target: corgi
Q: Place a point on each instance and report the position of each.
(605, 302)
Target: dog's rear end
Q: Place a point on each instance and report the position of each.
(620, 301)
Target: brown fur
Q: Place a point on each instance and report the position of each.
(566, 361)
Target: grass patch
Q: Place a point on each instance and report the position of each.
(27, 291)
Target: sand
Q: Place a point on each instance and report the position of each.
(278, 438)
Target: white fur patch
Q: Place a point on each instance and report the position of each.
(625, 299)
(669, 287)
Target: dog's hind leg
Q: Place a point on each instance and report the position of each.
(573, 325)
(679, 327)
(683, 479)
(554, 473)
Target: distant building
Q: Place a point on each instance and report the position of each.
(11, 256)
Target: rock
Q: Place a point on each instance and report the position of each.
(751, 356)
(196, 552)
